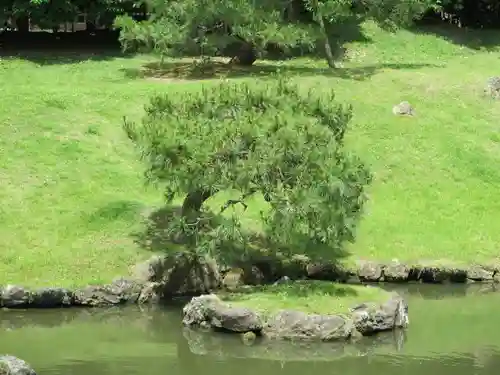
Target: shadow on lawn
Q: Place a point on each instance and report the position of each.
(195, 71)
(44, 48)
(44, 57)
(157, 237)
(475, 39)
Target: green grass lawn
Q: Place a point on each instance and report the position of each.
(72, 189)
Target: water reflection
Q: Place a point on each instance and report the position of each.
(231, 346)
(429, 291)
(452, 332)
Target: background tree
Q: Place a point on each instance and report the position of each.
(275, 143)
(208, 27)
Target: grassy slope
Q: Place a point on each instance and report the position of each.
(72, 189)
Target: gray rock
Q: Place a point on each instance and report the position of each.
(233, 279)
(328, 272)
(492, 87)
(370, 318)
(10, 365)
(149, 271)
(291, 325)
(478, 273)
(179, 274)
(119, 292)
(12, 296)
(51, 297)
(198, 310)
(210, 310)
(396, 272)
(235, 319)
(403, 109)
(370, 271)
(149, 294)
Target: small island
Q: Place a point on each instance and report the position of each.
(302, 310)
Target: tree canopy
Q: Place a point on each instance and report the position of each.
(208, 27)
(272, 141)
(51, 13)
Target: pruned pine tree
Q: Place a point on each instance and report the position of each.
(208, 27)
(269, 143)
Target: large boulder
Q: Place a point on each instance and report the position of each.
(10, 365)
(370, 318)
(179, 273)
(210, 311)
(292, 325)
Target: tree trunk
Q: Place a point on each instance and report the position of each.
(194, 200)
(246, 55)
(23, 24)
(330, 59)
(90, 27)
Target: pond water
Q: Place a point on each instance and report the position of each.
(453, 330)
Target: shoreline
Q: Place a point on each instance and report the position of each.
(150, 281)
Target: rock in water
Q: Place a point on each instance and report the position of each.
(120, 291)
(370, 318)
(294, 325)
(403, 109)
(209, 310)
(10, 365)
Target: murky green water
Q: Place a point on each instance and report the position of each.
(453, 330)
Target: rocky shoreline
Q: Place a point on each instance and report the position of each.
(208, 312)
(179, 274)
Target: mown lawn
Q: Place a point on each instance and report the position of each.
(72, 188)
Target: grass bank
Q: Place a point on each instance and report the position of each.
(313, 297)
(71, 184)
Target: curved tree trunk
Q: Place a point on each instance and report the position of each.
(191, 212)
(194, 200)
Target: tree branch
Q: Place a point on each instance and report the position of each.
(232, 202)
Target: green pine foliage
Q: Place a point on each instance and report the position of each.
(270, 140)
(206, 28)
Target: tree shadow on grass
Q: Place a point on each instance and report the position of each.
(43, 48)
(156, 236)
(44, 57)
(475, 39)
(121, 210)
(192, 71)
